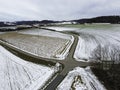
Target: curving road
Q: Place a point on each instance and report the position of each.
(69, 63)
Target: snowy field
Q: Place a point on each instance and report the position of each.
(1, 32)
(43, 32)
(96, 42)
(43, 43)
(99, 44)
(80, 79)
(17, 74)
(61, 28)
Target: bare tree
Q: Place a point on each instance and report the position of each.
(96, 54)
(107, 52)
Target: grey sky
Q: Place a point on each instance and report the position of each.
(12, 10)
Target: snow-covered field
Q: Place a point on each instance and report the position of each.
(80, 79)
(97, 42)
(43, 32)
(43, 43)
(61, 28)
(1, 32)
(17, 74)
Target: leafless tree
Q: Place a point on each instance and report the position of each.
(107, 52)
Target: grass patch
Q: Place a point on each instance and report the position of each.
(92, 26)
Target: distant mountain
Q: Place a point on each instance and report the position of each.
(101, 19)
(3, 24)
(34, 22)
(26, 22)
(48, 21)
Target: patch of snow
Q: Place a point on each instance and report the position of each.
(62, 28)
(2, 32)
(80, 79)
(10, 27)
(17, 74)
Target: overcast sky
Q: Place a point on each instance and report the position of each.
(15, 10)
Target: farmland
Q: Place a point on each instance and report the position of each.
(18, 74)
(96, 42)
(40, 45)
(75, 47)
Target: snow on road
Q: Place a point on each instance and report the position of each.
(80, 79)
(43, 43)
(17, 74)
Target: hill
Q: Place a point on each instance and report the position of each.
(101, 19)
